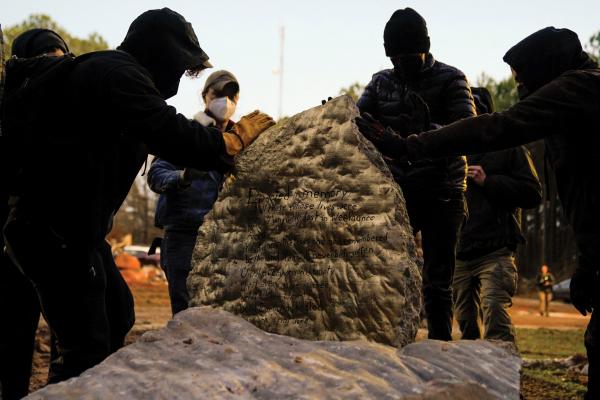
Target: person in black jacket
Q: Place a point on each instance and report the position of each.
(417, 94)
(499, 185)
(559, 87)
(19, 305)
(115, 104)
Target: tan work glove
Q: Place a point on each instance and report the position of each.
(246, 131)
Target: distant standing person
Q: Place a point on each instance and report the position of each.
(544, 282)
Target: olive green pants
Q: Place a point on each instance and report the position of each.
(482, 294)
(545, 300)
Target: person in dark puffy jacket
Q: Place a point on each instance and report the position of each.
(500, 184)
(420, 93)
(187, 194)
(559, 91)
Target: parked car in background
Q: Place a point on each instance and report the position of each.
(561, 291)
(141, 253)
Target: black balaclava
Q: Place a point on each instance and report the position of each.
(35, 42)
(405, 35)
(543, 56)
(164, 43)
(483, 100)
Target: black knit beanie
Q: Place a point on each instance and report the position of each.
(405, 33)
(35, 42)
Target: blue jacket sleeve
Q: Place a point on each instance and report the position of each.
(165, 177)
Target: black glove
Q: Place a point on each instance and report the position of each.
(385, 139)
(582, 288)
(188, 175)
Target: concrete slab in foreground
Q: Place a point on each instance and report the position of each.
(206, 353)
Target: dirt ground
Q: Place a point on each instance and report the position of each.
(557, 342)
(525, 314)
(152, 311)
(541, 338)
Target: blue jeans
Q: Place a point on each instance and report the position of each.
(176, 259)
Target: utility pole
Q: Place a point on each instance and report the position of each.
(280, 71)
(146, 213)
(544, 227)
(1, 69)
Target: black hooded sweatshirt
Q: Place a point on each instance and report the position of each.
(511, 184)
(165, 44)
(564, 111)
(30, 43)
(100, 128)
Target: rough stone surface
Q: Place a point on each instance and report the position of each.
(207, 353)
(312, 239)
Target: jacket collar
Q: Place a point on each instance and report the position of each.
(204, 119)
(429, 61)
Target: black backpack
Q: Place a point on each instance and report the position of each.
(33, 89)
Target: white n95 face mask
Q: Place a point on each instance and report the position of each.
(222, 108)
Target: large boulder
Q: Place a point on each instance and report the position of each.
(206, 353)
(312, 238)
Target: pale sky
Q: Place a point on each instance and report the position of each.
(328, 44)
